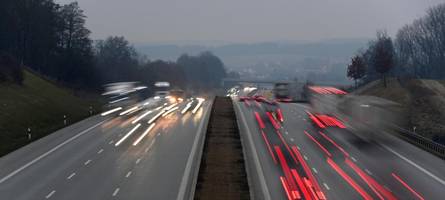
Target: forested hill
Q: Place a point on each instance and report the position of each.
(52, 39)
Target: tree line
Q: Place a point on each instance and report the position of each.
(418, 51)
(52, 39)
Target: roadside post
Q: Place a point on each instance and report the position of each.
(28, 132)
(64, 120)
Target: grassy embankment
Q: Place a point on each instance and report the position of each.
(40, 105)
(423, 102)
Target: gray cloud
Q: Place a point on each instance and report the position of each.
(247, 20)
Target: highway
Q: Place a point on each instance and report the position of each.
(109, 157)
(343, 163)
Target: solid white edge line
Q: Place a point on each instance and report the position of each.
(47, 153)
(127, 135)
(188, 167)
(136, 142)
(255, 155)
(415, 165)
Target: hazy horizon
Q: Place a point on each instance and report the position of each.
(248, 21)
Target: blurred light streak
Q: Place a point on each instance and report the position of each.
(170, 111)
(156, 117)
(407, 186)
(128, 111)
(142, 116)
(127, 135)
(348, 179)
(144, 134)
(117, 100)
(111, 111)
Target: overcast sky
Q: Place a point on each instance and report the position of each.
(233, 21)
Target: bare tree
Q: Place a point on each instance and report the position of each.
(383, 55)
(357, 68)
(421, 45)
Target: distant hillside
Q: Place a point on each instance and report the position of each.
(243, 54)
(423, 102)
(38, 104)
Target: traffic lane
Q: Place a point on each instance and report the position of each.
(20, 157)
(109, 176)
(325, 176)
(332, 184)
(338, 156)
(42, 174)
(162, 172)
(381, 163)
(36, 173)
(271, 171)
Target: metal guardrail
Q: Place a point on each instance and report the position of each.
(422, 142)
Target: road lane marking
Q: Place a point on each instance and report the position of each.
(298, 147)
(87, 162)
(151, 144)
(50, 194)
(315, 170)
(367, 171)
(127, 135)
(287, 133)
(71, 176)
(47, 153)
(138, 160)
(305, 157)
(415, 165)
(128, 174)
(100, 151)
(116, 191)
(355, 160)
(326, 186)
(292, 139)
(111, 142)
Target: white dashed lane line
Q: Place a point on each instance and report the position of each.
(87, 162)
(100, 151)
(50, 194)
(355, 160)
(111, 142)
(367, 171)
(138, 160)
(116, 191)
(128, 174)
(315, 170)
(71, 176)
(305, 157)
(326, 186)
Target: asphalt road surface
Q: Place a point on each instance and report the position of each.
(97, 158)
(344, 164)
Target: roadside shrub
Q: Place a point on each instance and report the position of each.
(10, 69)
